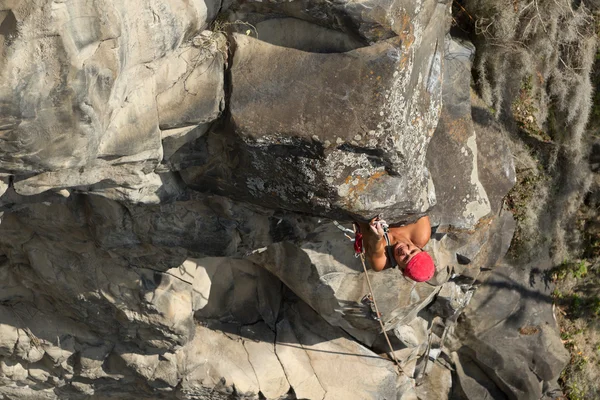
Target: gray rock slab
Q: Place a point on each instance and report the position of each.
(4, 183)
(92, 360)
(436, 385)
(308, 347)
(495, 162)
(507, 331)
(127, 183)
(9, 334)
(296, 363)
(467, 252)
(453, 152)
(191, 84)
(109, 75)
(215, 361)
(136, 260)
(472, 382)
(449, 300)
(413, 334)
(261, 354)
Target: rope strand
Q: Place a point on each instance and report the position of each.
(360, 252)
(362, 260)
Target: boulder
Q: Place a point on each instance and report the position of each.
(87, 88)
(507, 331)
(288, 144)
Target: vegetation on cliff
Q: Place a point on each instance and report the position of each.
(537, 69)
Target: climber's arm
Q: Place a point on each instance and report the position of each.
(374, 244)
(421, 232)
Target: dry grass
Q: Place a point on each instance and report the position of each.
(577, 308)
(534, 59)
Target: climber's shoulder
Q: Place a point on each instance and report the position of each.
(418, 232)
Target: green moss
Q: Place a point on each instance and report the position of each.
(519, 200)
(524, 110)
(580, 270)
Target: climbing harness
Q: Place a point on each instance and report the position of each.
(368, 299)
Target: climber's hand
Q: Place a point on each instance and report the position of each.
(376, 225)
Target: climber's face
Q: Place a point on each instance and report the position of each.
(404, 250)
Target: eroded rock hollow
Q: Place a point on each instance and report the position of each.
(169, 175)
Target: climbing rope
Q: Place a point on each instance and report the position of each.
(359, 252)
(362, 260)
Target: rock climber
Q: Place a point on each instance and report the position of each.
(399, 246)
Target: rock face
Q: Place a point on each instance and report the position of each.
(86, 97)
(456, 145)
(172, 86)
(353, 150)
(169, 172)
(505, 336)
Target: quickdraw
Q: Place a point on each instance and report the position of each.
(358, 244)
(356, 238)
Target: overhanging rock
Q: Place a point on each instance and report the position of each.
(342, 135)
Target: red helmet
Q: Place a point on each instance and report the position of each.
(420, 268)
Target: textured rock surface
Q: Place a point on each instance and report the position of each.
(507, 331)
(355, 149)
(327, 276)
(303, 334)
(87, 88)
(166, 168)
(453, 153)
(371, 20)
(468, 158)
